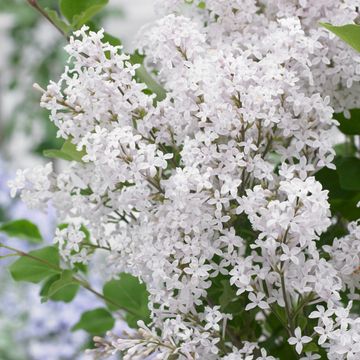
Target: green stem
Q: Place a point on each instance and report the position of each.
(287, 305)
(301, 305)
(35, 5)
(97, 247)
(35, 258)
(274, 310)
(283, 323)
(8, 255)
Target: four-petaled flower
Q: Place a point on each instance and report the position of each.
(257, 300)
(298, 340)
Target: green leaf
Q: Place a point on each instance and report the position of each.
(143, 76)
(349, 126)
(37, 266)
(350, 33)
(65, 294)
(95, 322)
(129, 294)
(342, 202)
(23, 229)
(310, 347)
(56, 154)
(347, 207)
(78, 12)
(60, 287)
(70, 149)
(337, 230)
(228, 294)
(349, 173)
(54, 16)
(302, 322)
(345, 149)
(329, 179)
(67, 152)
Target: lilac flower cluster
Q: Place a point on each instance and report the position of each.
(166, 188)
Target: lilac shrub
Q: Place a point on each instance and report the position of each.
(209, 196)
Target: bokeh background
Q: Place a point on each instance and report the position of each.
(31, 50)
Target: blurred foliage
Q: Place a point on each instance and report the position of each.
(22, 71)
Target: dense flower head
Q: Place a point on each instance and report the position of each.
(216, 181)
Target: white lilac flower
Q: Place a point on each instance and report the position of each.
(265, 356)
(299, 340)
(257, 300)
(290, 254)
(324, 332)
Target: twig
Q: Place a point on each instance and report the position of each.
(35, 5)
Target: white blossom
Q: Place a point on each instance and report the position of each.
(299, 340)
